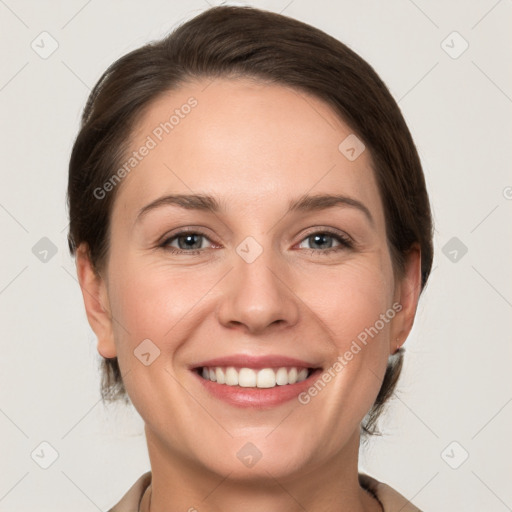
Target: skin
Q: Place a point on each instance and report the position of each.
(255, 147)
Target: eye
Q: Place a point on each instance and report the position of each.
(322, 242)
(189, 242)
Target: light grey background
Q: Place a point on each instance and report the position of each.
(456, 382)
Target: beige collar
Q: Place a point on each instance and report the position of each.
(390, 499)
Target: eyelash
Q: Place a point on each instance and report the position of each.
(345, 243)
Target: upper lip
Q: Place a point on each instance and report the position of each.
(256, 362)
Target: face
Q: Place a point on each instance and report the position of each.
(257, 279)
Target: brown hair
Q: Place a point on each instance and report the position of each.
(230, 41)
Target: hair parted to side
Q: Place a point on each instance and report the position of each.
(231, 41)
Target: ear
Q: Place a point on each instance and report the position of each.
(407, 293)
(94, 292)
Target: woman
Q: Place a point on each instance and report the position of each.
(252, 233)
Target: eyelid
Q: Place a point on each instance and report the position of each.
(328, 231)
(183, 231)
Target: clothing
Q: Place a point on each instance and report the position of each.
(390, 499)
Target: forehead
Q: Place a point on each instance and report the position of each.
(255, 144)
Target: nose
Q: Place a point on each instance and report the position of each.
(257, 296)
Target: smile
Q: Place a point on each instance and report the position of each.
(255, 381)
(255, 378)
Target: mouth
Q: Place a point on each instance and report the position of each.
(255, 382)
(262, 378)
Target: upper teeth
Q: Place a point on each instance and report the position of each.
(247, 377)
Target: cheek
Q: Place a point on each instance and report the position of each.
(358, 294)
(358, 310)
(157, 304)
(160, 302)
(151, 301)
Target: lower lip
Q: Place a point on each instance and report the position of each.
(257, 398)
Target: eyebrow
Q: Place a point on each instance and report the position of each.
(208, 203)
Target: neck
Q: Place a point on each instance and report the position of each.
(181, 485)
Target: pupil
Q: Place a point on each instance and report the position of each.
(189, 238)
(321, 237)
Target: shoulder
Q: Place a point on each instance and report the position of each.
(391, 500)
(131, 500)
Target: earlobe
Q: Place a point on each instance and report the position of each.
(407, 294)
(96, 303)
